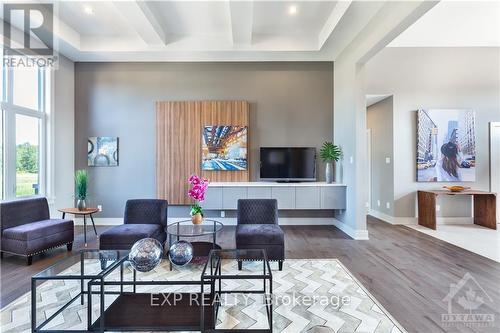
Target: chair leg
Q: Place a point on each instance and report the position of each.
(240, 265)
(69, 246)
(29, 260)
(280, 264)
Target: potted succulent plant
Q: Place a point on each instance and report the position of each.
(81, 184)
(330, 153)
(197, 193)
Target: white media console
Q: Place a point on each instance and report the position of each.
(305, 196)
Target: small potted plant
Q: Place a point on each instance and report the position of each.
(329, 153)
(197, 193)
(81, 183)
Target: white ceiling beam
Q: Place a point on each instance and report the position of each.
(66, 34)
(144, 21)
(241, 18)
(332, 21)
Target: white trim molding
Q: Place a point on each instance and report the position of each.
(355, 234)
(226, 221)
(414, 220)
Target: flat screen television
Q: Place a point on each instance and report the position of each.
(288, 164)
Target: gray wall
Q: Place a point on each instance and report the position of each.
(436, 78)
(290, 105)
(380, 121)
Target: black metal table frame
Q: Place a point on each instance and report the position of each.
(178, 236)
(134, 283)
(99, 280)
(216, 275)
(34, 280)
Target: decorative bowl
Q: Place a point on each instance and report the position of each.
(456, 188)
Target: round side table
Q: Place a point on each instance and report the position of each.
(84, 213)
(186, 229)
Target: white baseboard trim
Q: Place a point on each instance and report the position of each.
(282, 220)
(225, 220)
(414, 220)
(382, 216)
(454, 220)
(100, 221)
(353, 233)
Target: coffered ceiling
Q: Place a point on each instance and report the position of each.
(207, 30)
(264, 26)
(234, 30)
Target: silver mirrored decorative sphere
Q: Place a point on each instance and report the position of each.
(145, 254)
(181, 253)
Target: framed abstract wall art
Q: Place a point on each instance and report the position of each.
(224, 148)
(102, 151)
(446, 145)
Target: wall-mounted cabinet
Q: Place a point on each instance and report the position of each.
(224, 196)
(285, 197)
(230, 196)
(213, 198)
(257, 192)
(333, 197)
(308, 197)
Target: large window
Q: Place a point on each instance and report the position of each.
(23, 134)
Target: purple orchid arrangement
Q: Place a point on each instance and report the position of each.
(197, 193)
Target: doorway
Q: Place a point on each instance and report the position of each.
(369, 164)
(379, 155)
(495, 163)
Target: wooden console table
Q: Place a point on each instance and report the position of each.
(484, 207)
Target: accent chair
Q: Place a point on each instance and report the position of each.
(258, 228)
(27, 228)
(144, 218)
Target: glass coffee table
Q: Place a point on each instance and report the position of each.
(186, 229)
(94, 265)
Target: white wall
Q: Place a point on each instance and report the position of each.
(436, 78)
(350, 105)
(64, 134)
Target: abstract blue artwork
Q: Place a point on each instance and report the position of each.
(102, 151)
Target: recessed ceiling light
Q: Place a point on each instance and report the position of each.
(88, 10)
(292, 10)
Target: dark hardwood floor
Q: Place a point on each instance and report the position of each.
(408, 272)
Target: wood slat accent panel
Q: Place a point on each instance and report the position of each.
(177, 142)
(226, 113)
(179, 127)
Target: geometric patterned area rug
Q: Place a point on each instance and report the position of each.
(307, 293)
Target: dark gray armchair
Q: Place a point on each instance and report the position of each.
(144, 218)
(258, 228)
(27, 228)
